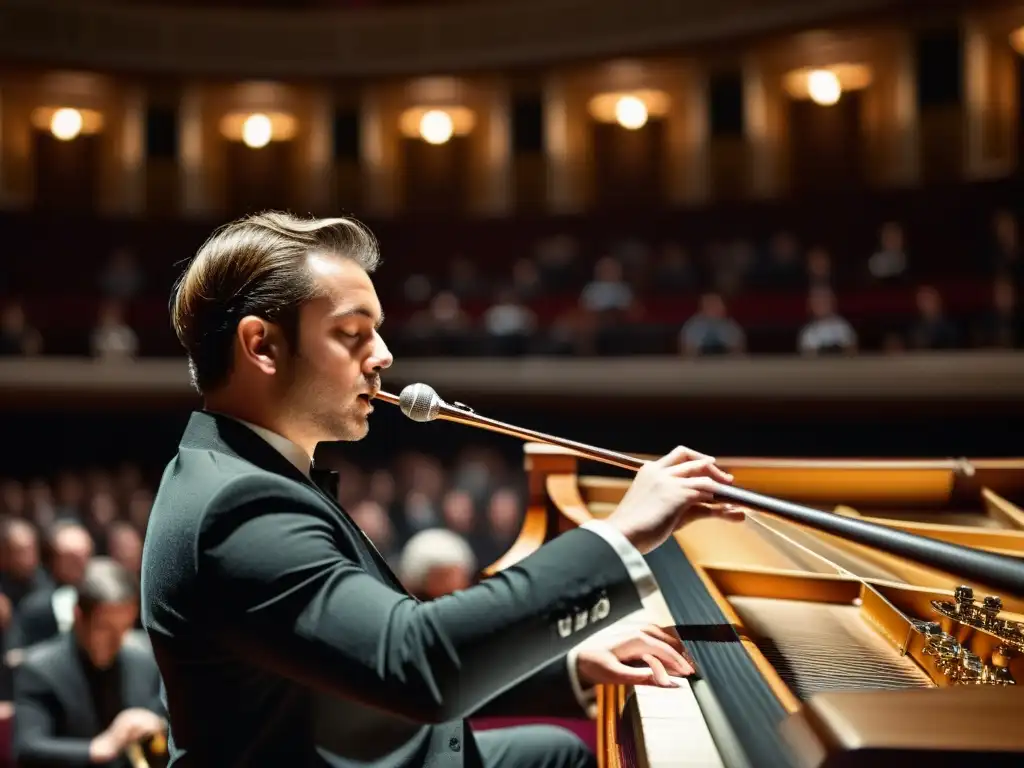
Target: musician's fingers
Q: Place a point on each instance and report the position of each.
(680, 454)
(670, 658)
(661, 677)
(666, 635)
(701, 468)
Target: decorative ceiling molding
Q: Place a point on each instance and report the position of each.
(416, 40)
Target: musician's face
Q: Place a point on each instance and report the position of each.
(340, 352)
(101, 632)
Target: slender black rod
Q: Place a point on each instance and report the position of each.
(998, 572)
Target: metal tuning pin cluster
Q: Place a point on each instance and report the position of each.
(953, 658)
(985, 617)
(960, 665)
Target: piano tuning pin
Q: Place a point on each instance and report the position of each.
(964, 597)
(991, 606)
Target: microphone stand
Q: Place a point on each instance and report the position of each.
(998, 572)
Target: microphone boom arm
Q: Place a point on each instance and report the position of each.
(996, 571)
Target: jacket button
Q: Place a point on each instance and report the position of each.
(453, 743)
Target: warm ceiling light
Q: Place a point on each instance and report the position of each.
(630, 109)
(66, 124)
(436, 126)
(257, 131)
(630, 113)
(1017, 40)
(824, 87)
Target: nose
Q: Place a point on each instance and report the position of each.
(380, 359)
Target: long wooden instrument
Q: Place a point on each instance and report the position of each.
(1002, 573)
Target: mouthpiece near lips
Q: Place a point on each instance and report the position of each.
(420, 402)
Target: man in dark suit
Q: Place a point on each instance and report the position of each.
(82, 697)
(49, 610)
(282, 636)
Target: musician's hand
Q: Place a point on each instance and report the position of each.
(668, 493)
(644, 656)
(134, 724)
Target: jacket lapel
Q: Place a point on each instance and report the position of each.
(79, 697)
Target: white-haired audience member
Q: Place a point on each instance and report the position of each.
(437, 562)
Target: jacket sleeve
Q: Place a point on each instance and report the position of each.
(546, 693)
(283, 586)
(35, 742)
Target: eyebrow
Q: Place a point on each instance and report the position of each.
(362, 312)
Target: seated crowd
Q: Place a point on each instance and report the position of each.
(629, 297)
(70, 554)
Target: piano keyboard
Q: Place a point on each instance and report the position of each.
(671, 729)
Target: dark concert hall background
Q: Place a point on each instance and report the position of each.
(783, 228)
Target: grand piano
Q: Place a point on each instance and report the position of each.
(812, 650)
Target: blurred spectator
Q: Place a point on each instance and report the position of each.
(49, 610)
(674, 272)
(124, 546)
(526, 280)
(608, 291)
(83, 697)
(889, 262)
(711, 331)
(1003, 326)
(436, 563)
(509, 318)
(121, 278)
(21, 571)
(17, 337)
(374, 520)
(782, 269)
(933, 330)
(1006, 256)
(827, 332)
(819, 269)
(113, 338)
(464, 280)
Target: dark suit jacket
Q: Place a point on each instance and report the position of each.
(34, 621)
(54, 716)
(283, 638)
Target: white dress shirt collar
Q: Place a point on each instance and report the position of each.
(295, 454)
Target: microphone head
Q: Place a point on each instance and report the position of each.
(420, 402)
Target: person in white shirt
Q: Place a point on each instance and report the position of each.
(827, 332)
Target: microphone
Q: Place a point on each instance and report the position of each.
(420, 402)
(996, 571)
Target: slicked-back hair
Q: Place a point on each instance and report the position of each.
(257, 266)
(106, 582)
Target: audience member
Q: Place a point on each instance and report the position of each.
(437, 562)
(711, 331)
(827, 332)
(17, 337)
(50, 609)
(933, 329)
(87, 695)
(889, 263)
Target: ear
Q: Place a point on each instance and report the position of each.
(260, 344)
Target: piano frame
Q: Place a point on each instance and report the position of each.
(747, 707)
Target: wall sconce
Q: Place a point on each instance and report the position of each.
(630, 109)
(1017, 40)
(67, 123)
(826, 85)
(436, 125)
(258, 129)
